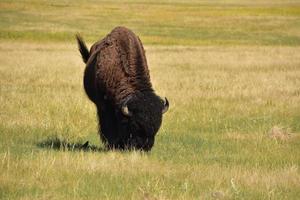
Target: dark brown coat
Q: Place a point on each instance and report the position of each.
(117, 80)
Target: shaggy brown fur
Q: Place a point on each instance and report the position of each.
(117, 74)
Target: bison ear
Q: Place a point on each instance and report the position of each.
(166, 106)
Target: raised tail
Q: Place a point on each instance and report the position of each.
(83, 48)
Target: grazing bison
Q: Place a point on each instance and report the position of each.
(117, 80)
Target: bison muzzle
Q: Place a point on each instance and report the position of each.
(117, 80)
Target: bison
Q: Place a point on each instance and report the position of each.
(117, 81)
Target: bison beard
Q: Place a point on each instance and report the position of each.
(117, 80)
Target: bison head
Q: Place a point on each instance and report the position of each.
(140, 117)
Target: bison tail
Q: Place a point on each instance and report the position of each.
(83, 48)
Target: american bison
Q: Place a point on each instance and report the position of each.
(117, 80)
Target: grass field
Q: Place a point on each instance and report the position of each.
(230, 69)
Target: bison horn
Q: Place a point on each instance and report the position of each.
(126, 111)
(166, 106)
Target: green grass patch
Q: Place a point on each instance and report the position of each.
(158, 23)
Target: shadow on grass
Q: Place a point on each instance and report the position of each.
(59, 144)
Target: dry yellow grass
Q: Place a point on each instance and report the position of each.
(229, 68)
(212, 145)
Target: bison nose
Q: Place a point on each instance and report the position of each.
(149, 142)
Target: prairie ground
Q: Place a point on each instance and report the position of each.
(231, 71)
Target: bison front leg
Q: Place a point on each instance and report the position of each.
(108, 130)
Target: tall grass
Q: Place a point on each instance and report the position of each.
(214, 140)
(232, 131)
